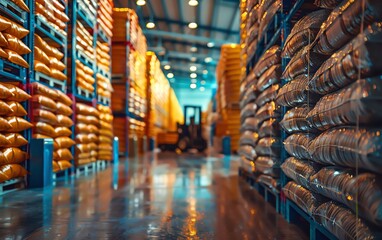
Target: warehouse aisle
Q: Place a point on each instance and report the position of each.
(169, 197)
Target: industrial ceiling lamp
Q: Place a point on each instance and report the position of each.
(210, 44)
(167, 67)
(193, 85)
(193, 3)
(205, 72)
(208, 59)
(192, 25)
(193, 75)
(193, 68)
(170, 75)
(193, 49)
(150, 25)
(141, 2)
(202, 82)
(193, 59)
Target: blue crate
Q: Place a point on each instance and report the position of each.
(45, 30)
(13, 11)
(49, 81)
(12, 72)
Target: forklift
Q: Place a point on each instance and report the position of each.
(190, 132)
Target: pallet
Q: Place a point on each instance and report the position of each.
(102, 164)
(297, 216)
(63, 174)
(85, 94)
(85, 59)
(86, 168)
(12, 72)
(12, 185)
(104, 101)
(85, 16)
(102, 35)
(47, 30)
(12, 10)
(103, 72)
(49, 81)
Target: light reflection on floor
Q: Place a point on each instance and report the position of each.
(165, 197)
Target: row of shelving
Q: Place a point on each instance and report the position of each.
(56, 75)
(309, 125)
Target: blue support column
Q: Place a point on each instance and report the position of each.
(151, 144)
(226, 145)
(40, 163)
(115, 150)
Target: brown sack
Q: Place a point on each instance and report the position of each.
(63, 109)
(18, 94)
(56, 64)
(45, 91)
(39, 136)
(17, 109)
(82, 128)
(63, 132)
(92, 137)
(87, 119)
(14, 155)
(4, 124)
(64, 121)
(5, 93)
(41, 56)
(103, 139)
(55, 166)
(86, 110)
(45, 129)
(62, 97)
(57, 5)
(43, 102)
(64, 164)
(64, 142)
(82, 148)
(21, 4)
(3, 54)
(4, 142)
(105, 132)
(41, 115)
(82, 138)
(64, 154)
(5, 109)
(16, 30)
(41, 67)
(16, 140)
(11, 171)
(4, 23)
(57, 74)
(3, 41)
(15, 58)
(16, 44)
(18, 124)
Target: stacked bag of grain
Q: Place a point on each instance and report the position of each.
(252, 27)
(104, 87)
(84, 77)
(53, 13)
(11, 46)
(86, 134)
(89, 7)
(12, 123)
(48, 59)
(105, 137)
(105, 19)
(51, 118)
(335, 146)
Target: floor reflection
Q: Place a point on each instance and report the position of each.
(166, 197)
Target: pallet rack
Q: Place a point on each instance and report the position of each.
(277, 32)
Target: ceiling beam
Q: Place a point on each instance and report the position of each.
(165, 10)
(208, 28)
(180, 11)
(186, 43)
(235, 15)
(198, 10)
(184, 37)
(215, 7)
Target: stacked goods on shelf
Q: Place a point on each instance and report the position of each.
(12, 123)
(244, 14)
(12, 47)
(335, 123)
(105, 137)
(89, 7)
(53, 13)
(250, 26)
(104, 17)
(228, 75)
(87, 128)
(48, 59)
(84, 77)
(51, 113)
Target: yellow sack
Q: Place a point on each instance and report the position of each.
(86, 110)
(40, 101)
(11, 171)
(45, 91)
(4, 142)
(56, 64)
(18, 95)
(5, 109)
(16, 30)
(3, 42)
(3, 54)
(55, 166)
(41, 115)
(17, 109)
(63, 109)
(13, 155)
(18, 124)
(16, 140)
(82, 138)
(4, 23)
(16, 44)
(64, 154)
(44, 129)
(40, 55)
(93, 137)
(87, 119)
(64, 142)
(64, 99)
(5, 93)
(57, 74)
(64, 121)
(39, 136)
(104, 139)
(41, 67)
(15, 58)
(64, 164)
(63, 132)
(21, 4)
(4, 125)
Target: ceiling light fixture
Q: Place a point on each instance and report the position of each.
(170, 75)
(208, 59)
(205, 71)
(202, 89)
(193, 68)
(141, 2)
(193, 3)
(167, 67)
(210, 44)
(192, 85)
(193, 75)
(150, 25)
(193, 49)
(192, 25)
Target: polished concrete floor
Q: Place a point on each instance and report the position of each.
(153, 197)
